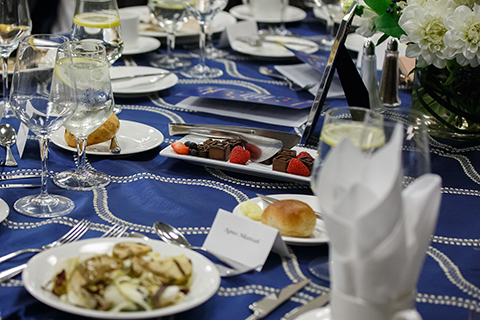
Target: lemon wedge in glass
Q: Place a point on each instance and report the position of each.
(332, 133)
(97, 20)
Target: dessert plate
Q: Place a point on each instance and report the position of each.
(292, 14)
(133, 137)
(273, 50)
(4, 210)
(140, 85)
(324, 313)
(251, 168)
(318, 236)
(145, 44)
(40, 270)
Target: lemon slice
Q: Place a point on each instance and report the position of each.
(7, 28)
(332, 133)
(97, 20)
(89, 72)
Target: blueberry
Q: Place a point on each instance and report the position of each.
(193, 152)
(191, 144)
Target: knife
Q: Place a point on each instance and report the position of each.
(318, 302)
(288, 139)
(131, 76)
(12, 272)
(18, 176)
(266, 305)
(15, 185)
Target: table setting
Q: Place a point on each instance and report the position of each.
(396, 246)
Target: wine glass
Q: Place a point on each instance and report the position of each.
(99, 20)
(330, 8)
(373, 132)
(95, 103)
(15, 23)
(204, 11)
(171, 15)
(211, 52)
(43, 99)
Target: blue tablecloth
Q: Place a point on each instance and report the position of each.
(147, 187)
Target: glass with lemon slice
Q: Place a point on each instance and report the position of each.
(99, 20)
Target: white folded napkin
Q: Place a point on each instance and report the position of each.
(379, 231)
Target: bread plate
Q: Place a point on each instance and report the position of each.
(133, 137)
(40, 269)
(319, 235)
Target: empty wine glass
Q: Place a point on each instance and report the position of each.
(171, 15)
(95, 103)
(43, 101)
(204, 11)
(211, 52)
(15, 23)
(330, 8)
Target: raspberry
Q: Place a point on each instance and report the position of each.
(239, 155)
(255, 152)
(180, 148)
(296, 166)
(304, 154)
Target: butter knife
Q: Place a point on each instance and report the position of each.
(18, 176)
(17, 185)
(131, 76)
(266, 305)
(318, 302)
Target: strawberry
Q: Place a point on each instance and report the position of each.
(304, 154)
(296, 166)
(180, 148)
(239, 155)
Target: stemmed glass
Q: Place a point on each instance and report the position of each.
(210, 51)
(204, 11)
(331, 8)
(171, 15)
(43, 97)
(373, 131)
(15, 23)
(95, 103)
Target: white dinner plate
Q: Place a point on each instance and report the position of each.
(140, 85)
(318, 236)
(133, 137)
(219, 23)
(40, 270)
(323, 313)
(273, 50)
(292, 14)
(4, 210)
(145, 44)
(252, 168)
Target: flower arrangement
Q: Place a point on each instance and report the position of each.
(444, 37)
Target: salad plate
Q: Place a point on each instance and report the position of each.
(4, 210)
(41, 269)
(145, 44)
(318, 236)
(251, 168)
(155, 79)
(133, 137)
(273, 50)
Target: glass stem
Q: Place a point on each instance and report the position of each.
(170, 45)
(81, 145)
(6, 103)
(330, 27)
(201, 44)
(43, 142)
(209, 41)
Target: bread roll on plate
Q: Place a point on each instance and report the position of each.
(103, 133)
(292, 218)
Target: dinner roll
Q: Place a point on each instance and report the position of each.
(292, 218)
(103, 133)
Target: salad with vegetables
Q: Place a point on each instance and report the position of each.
(129, 278)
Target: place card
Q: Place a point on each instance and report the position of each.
(2, 109)
(22, 134)
(244, 240)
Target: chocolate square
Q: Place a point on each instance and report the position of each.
(280, 163)
(219, 150)
(307, 161)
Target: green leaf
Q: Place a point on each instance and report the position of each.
(382, 39)
(388, 24)
(379, 6)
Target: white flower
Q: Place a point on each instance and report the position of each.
(366, 23)
(463, 36)
(425, 30)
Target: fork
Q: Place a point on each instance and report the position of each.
(74, 233)
(116, 231)
(79, 232)
(270, 200)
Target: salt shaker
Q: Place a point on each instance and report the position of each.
(390, 74)
(369, 75)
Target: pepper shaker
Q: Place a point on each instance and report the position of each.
(390, 74)
(369, 75)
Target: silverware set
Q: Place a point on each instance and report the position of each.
(74, 234)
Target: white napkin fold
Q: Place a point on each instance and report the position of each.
(379, 232)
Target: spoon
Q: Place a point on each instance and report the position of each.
(293, 86)
(172, 235)
(8, 137)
